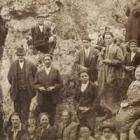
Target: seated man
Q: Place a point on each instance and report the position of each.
(41, 36)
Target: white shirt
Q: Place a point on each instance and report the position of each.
(132, 55)
(21, 64)
(15, 131)
(47, 70)
(87, 51)
(84, 86)
(41, 28)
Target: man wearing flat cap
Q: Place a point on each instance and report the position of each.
(87, 58)
(131, 61)
(21, 76)
(41, 36)
(48, 84)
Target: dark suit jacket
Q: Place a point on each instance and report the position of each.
(37, 35)
(93, 55)
(54, 79)
(48, 134)
(87, 97)
(30, 76)
(19, 135)
(135, 62)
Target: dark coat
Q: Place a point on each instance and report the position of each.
(30, 75)
(93, 56)
(40, 39)
(54, 79)
(26, 136)
(48, 134)
(135, 62)
(19, 134)
(87, 97)
(70, 132)
(133, 23)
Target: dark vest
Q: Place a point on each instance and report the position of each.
(21, 77)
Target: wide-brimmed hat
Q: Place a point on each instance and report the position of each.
(20, 51)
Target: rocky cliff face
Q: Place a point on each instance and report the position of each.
(70, 18)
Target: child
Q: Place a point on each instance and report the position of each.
(31, 131)
(85, 133)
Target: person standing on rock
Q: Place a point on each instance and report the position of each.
(42, 37)
(86, 58)
(48, 84)
(21, 76)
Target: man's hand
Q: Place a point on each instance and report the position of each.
(129, 68)
(51, 39)
(107, 61)
(50, 88)
(42, 89)
(124, 105)
(29, 38)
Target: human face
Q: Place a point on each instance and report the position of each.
(65, 117)
(31, 129)
(137, 74)
(134, 1)
(15, 121)
(133, 48)
(44, 121)
(84, 77)
(108, 39)
(21, 58)
(47, 61)
(40, 21)
(118, 42)
(107, 133)
(85, 132)
(86, 44)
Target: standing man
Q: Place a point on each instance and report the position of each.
(87, 58)
(48, 84)
(21, 76)
(42, 36)
(109, 75)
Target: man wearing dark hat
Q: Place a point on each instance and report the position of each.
(87, 58)
(48, 84)
(21, 77)
(42, 36)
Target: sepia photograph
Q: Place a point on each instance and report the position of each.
(69, 69)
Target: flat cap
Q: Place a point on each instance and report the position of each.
(86, 38)
(133, 42)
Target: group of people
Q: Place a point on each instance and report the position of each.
(109, 79)
(107, 97)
